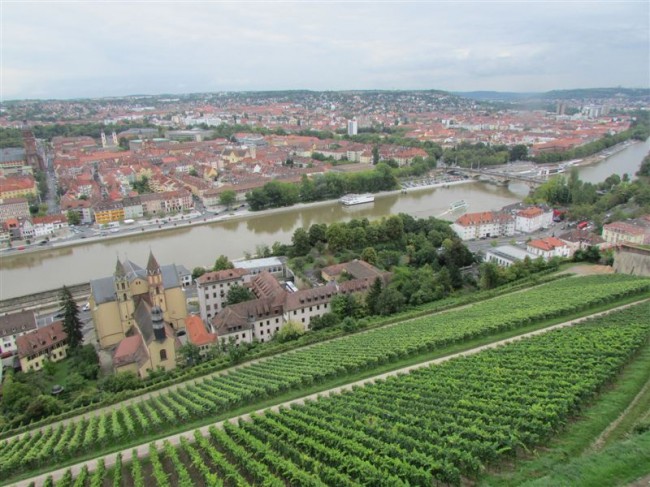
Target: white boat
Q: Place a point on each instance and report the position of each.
(458, 205)
(357, 199)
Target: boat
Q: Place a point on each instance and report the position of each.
(357, 199)
(461, 204)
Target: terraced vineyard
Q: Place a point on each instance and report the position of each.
(303, 368)
(444, 423)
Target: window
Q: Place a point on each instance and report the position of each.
(277, 320)
(295, 312)
(214, 295)
(303, 320)
(310, 308)
(163, 354)
(318, 306)
(277, 328)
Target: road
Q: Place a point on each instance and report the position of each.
(143, 449)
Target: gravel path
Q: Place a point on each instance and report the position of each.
(143, 449)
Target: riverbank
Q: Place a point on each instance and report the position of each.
(153, 229)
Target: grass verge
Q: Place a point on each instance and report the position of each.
(324, 386)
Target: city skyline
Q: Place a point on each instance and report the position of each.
(72, 50)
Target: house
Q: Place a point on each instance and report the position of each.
(109, 211)
(259, 319)
(356, 269)
(580, 239)
(212, 289)
(506, 255)
(485, 224)
(17, 187)
(13, 208)
(114, 300)
(532, 219)
(548, 247)
(199, 335)
(47, 343)
(13, 326)
(635, 231)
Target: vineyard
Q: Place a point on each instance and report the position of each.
(444, 423)
(326, 361)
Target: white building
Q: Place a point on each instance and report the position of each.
(485, 224)
(532, 219)
(548, 247)
(212, 290)
(506, 255)
(352, 127)
(12, 326)
(274, 265)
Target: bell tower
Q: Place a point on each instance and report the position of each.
(124, 296)
(156, 288)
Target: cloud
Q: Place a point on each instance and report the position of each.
(70, 49)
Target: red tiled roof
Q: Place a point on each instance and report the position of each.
(197, 333)
(128, 351)
(531, 212)
(225, 275)
(41, 339)
(546, 244)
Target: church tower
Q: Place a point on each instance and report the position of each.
(124, 296)
(156, 288)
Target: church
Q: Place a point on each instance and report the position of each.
(140, 312)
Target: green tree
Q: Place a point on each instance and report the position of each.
(227, 198)
(193, 172)
(238, 294)
(291, 330)
(222, 263)
(74, 218)
(390, 301)
(124, 143)
(300, 242)
(369, 255)
(518, 152)
(372, 298)
(190, 354)
(71, 322)
(198, 272)
(375, 155)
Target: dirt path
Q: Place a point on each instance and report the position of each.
(599, 442)
(143, 449)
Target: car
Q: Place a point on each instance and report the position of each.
(86, 307)
(58, 315)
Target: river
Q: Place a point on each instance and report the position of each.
(200, 245)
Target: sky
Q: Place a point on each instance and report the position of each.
(57, 49)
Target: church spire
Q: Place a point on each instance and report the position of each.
(152, 266)
(119, 269)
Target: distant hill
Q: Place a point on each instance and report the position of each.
(496, 95)
(597, 93)
(579, 93)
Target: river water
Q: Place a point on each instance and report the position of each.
(200, 245)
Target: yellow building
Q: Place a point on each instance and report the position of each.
(114, 300)
(109, 212)
(17, 187)
(47, 343)
(152, 345)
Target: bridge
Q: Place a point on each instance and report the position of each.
(499, 177)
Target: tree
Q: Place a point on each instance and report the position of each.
(238, 294)
(190, 354)
(518, 152)
(71, 322)
(300, 241)
(124, 143)
(193, 172)
(227, 198)
(291, 330)
(222, 263)
(375, 155)
(390, 301)
(372, 298)
(198, 272)
(74, 218)
(369, 255)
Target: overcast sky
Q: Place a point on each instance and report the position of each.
(55, 49)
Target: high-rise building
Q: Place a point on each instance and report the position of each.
(352, 127)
